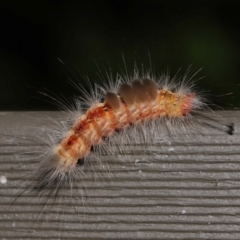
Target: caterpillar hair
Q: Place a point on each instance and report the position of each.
(122, 111)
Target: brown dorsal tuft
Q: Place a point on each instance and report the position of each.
(127, 94)
(112, 100)
(151, 88)
(139, 91)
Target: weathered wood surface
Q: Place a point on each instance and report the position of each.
(180, 188)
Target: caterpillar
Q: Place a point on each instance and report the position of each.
(118, 112)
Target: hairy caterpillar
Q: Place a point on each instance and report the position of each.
(122, 111)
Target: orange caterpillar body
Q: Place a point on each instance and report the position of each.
(118, 114)
(138, 102)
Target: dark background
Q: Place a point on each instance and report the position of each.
(92, 36)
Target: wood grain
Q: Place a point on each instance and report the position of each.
(184, 187)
